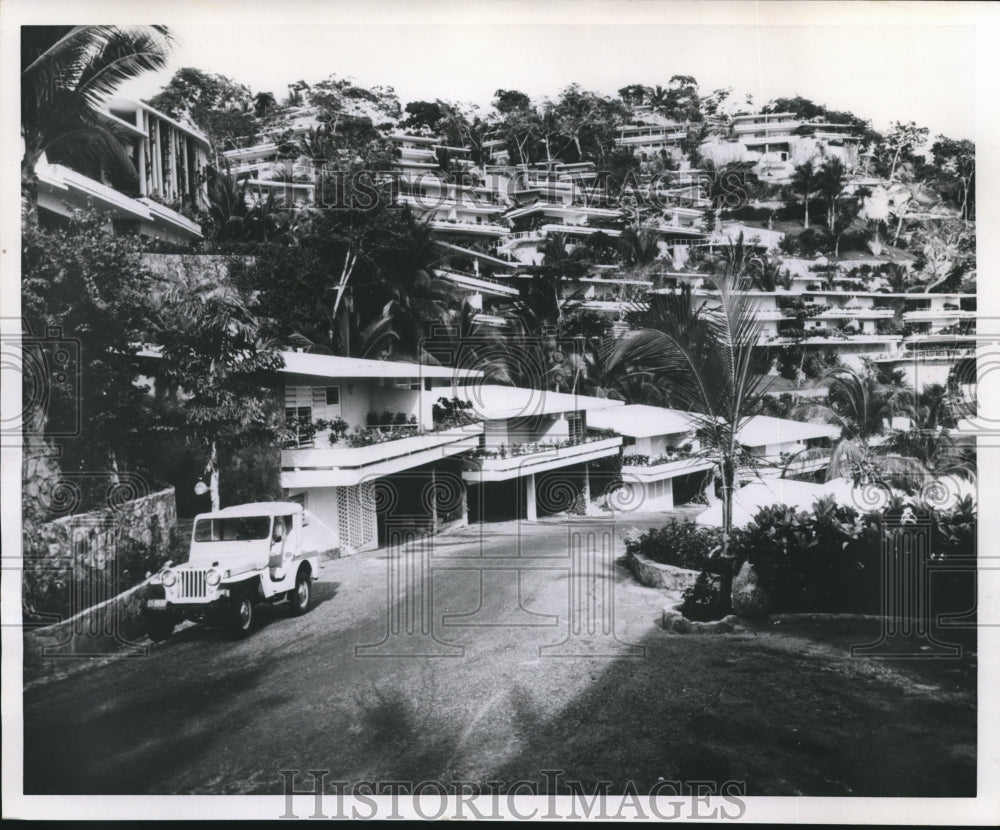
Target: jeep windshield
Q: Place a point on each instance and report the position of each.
(243, 529)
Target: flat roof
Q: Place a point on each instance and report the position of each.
(334, 366)
(761, 430)
(641, 421)
(127, 104)
(258, 508)
(495, 402)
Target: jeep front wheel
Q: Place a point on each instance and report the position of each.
(241, 616)
(301, 595)
(159, 627)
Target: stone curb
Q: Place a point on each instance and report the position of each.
(676, 623)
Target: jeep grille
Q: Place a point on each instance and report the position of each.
(192, 584)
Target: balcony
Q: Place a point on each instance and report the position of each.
(478, 228)
(344, 466)
(811, 460)
(507, 462)
(645, 469)
(938, 315)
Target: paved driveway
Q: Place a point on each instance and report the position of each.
(454, 665)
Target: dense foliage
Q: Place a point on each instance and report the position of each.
(831, 558)
(680, 543)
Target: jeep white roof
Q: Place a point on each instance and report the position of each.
(258, 508)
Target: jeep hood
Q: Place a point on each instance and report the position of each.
(229, 555)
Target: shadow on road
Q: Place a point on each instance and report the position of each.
(267, 614)
(105, 753)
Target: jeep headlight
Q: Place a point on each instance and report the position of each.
(213, 578)
(168, 579)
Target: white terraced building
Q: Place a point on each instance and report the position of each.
(373, 478)
(659, 455)
(897, 329)
(170, 160)
(786, 448)
(648, 141)
(535, 451)
(261, 171)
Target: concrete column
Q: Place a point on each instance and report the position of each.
(465, 502)
(157, 158)
(433, 501)
(141, 164)
(172, 161)
(185, 145)
(586, 487)
(532, 500)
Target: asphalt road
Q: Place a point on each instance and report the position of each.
(550, 677)
(445, 697)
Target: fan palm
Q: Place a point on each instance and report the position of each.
(709, 359)
(67, 73)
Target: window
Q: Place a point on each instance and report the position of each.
(251, 528)
(333, 396)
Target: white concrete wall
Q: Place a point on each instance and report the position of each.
(322, 502)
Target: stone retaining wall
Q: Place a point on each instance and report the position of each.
(114, 625)
(85, 559)
(655, 575)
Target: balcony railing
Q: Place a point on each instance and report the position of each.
(468, 227)
(642, 460)
(533, 447)
(341, 464)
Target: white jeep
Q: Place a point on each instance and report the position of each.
(240, 556)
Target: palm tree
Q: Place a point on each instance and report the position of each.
(804, 184)
(638, 246)
(318, 144)
(658, 98)
(867, 451)
(417, 299)
(553, 249)
(464, 342)
(67, 73)
(898, 278)
(767, 274)
(709, 358)
(830, 182)
(239, 218)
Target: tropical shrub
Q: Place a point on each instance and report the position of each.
(703, 600)
(682, 544)
(452, 412)
(831, 558)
